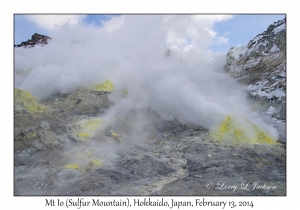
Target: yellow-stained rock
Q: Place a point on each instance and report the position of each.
(85, 167)
(230, 132)
(106, 86)
(116, 136)
(97, 162)
(83, 135)
(87, 128)
(26, 100)
(72, 166)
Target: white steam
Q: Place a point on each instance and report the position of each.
(189, 85)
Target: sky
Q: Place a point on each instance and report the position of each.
(234, 31)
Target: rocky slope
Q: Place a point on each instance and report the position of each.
(57, 151)
(64, 145)
(36, 39)
(262, 66)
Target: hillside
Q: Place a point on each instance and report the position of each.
(261, 65)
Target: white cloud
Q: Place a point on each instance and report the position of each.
(221, 40)
(113, 24)
(49, 22)
(213, 18)
(198, 28)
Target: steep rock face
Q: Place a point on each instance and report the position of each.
(36, 39)
(262, 66)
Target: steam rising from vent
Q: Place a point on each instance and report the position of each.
(161, 62)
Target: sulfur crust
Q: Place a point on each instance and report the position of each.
(106, 86)
(116, 136)
(72, 166)
(228, 132)
(88, 128)
(28, 101)
(97, 162)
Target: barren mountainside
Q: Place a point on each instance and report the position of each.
(261, 65)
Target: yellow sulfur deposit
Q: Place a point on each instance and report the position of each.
(86, 161)
(229, 132)
(97, 162)
(31, 135)
(83, 135)
(72, 166)
(106, 86)
(262, 137)
(116, 136)
(26, 100)
(88, 128)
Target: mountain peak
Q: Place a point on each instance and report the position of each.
(36, 39)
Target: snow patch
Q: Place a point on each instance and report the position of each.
(278, 93)
(237, 51)
(271, 110)
(279, 28)
(274, 48)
